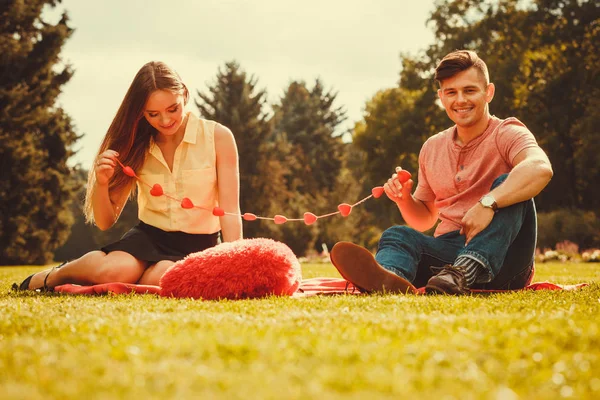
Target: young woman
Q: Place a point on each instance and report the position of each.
(187, 156)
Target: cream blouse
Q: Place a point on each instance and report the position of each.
(194, 176)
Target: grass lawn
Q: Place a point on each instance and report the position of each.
(531, 345)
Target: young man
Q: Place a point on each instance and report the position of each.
(479, 178)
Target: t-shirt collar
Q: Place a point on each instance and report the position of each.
(491, 126)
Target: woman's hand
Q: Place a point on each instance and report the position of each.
(105, 166)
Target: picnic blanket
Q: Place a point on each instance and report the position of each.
(308, 288)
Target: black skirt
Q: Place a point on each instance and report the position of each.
(148, 243)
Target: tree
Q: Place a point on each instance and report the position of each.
(304, 126)
(307, 119)
(36, 135)
(543, 58)
(395, 124)
(85, 237)
(558, 94)
(234, 101)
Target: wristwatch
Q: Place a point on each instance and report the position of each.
(488, 201)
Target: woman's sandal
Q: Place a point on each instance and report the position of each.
(25, 284)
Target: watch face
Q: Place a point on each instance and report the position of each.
(487, 201)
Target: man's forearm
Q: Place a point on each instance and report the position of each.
(416, 214)
(524, 182)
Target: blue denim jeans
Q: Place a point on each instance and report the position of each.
(506, 247)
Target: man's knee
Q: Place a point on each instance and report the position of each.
(397, 232)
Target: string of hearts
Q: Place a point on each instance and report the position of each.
(309, 218)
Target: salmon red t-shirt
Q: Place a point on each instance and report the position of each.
(456, 176)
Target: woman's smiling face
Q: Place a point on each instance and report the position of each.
(164, 111)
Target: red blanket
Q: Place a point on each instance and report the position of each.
(308, 287)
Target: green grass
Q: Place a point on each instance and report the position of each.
(538, 345)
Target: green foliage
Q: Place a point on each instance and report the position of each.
(530, 345)
(290, 162)
(298, 236)
(36, 136)
(543, 59)
(391, 135)
(355, 227)
(311, 155)
(557, 93)
(85, 237)
(578, 226)
(307, 119)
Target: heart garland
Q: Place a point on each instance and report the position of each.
(309, 218)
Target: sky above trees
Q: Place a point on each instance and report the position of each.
(352, 46)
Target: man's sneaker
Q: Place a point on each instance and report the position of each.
(450, 280)
(357, 265)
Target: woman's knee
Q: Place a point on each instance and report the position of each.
(163, 265)
(122, 270)
(152, 274)
(157, 270)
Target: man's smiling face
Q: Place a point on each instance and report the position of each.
(465, 97)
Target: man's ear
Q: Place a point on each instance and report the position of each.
(439, 92)
(489, 93)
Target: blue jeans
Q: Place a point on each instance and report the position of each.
(506, 247)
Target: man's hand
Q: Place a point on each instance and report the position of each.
(399, 186)
(475, 220)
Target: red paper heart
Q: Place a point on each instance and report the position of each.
(187, 203)
(218, 212)
(280, 219)
(249, 217)
(128, 171)
(377, 191)
(309, 218)
(404, 176)
(345, 209)
(156, 190)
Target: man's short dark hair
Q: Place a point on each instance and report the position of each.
(458, 61)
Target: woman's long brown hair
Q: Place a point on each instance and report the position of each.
(129, 133)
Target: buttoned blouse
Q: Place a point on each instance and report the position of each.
(194, 176)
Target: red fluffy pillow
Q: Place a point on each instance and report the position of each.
(244, 269)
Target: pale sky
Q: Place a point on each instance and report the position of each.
(353, 46)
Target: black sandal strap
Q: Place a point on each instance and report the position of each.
(24, 285)
(45, 287)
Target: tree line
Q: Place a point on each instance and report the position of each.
(542, 57)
